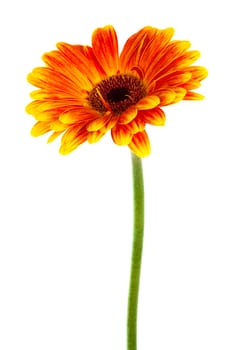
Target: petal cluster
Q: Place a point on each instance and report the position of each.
(61, 102)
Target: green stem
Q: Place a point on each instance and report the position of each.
(138, 229)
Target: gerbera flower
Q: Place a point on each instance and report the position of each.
(84, 91)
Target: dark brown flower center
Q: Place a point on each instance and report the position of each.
(116, 93)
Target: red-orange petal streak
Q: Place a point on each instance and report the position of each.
(166, 96)
(154, 116)
(136, 125)
(193, 96)
(158, 66)
(78, 115)
(105, 48)
(81, 58)
(47, 78)
(121, 135)
(128, 115)
(198, 73)
(98, 123)
(148, 102)
(140, 144)
(95, 136)
(173, 79)
(141, 47)
(72, 138)
(134, 47)
(155, 48)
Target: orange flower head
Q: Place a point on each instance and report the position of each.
(84, 92)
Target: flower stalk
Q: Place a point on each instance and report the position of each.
(138, 231)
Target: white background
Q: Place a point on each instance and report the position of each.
(65, 228)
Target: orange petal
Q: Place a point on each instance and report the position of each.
(165, 58)
(187, 59)
(154, 116)
(95, 136)
(58, 126)
(190, 85)
(180, 94)
(105, 48)
(76, 59)
(40, 128)
(98, 123)
(110, 124)
(47, 78)
(154, 49)
(59, 62)
(179, 63)
(140, 144)
(78, 115)
(120, 135)
(148, 102)
(53, 136)
(174, 79)
(134, 47)
(198, 73)
(135, 125)
(172, 95)
(166, 96)
(193, 96)
(146, 41)
(34, 108)
(51, 109)
(72, 138)
(53, 94)
(128, 115)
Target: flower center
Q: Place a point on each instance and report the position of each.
(116, 93)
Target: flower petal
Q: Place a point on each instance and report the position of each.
(166, 96)
(140, 144)
(105, 48)
(110, 124)
(172, 95)
(154, 116)
(198, 73)
(78, 115)
(134, 47)
(128, 115)
(148, 102)
(146, 42)
(180, 94)
(156, 47)
(165, 58)
(50, 79)
(72, 138)
(173, 79)
(40, 128)
(98, 123)
(120, 135)
(53, 136)
(193, 96)
(95, 136)
(77, 60)
(45, 94)
(58, 126)
(34, 108)
(136, 125)
(179, 63)
(190, 85)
